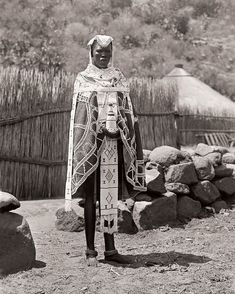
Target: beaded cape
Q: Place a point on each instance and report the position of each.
(88, 140)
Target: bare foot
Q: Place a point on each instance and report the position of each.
(92, 261)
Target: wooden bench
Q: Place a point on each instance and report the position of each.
(218, 139)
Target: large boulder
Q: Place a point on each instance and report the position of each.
(150, 215)
(8, 202)
(226, 185)
(177, 188)
(182, 173)
(155, 179)
(70, 221)
(215, 158)
(204, 168)
(223, 171)
(165, 155)
(204, 149)
(125, 221)
(205, 192)
(188, 208)
(228, 158)
(17, 250)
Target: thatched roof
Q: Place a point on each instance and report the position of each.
(198, 96)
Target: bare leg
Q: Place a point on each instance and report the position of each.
(109, 242)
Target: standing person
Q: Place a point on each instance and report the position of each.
(105, 154)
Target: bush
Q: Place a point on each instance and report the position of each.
(149, 13)
(181, 23)
(124, 28)
(209, 7)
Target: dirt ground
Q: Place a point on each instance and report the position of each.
(195, 258)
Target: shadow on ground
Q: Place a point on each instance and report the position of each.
(165, 259)
(39, 264)
(36, 264)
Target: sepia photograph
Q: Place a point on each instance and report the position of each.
(117, 147)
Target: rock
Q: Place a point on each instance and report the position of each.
(154, 165)
(146, 154)
(221, 149)
(188, 208)
(143, 197)
(228, 158)
(232, 166)
(129, 203)
(205, 192)
(125, 221)
(155, 180)
(219, 205)
(177, 188)
(17, 250)
(215, 158)
(204, 168)
(70, 221)
(150, 215)
(165, 155)
(226, 185)
(184, 173)
(8, 202)
(204, 149)
(223, 171)
(185, 156)
(169, 194)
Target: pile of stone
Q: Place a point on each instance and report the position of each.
(180, 186)
(17, 250)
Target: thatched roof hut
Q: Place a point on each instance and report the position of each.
(195, 95)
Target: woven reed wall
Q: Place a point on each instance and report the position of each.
(192, 125)
(154, 101)
(34, 110)
(34, 123)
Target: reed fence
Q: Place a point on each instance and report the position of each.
(192, 125)
(34, 123)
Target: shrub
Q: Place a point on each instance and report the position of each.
(181, 23)
(209, 7)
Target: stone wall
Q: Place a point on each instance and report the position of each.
(180, 186)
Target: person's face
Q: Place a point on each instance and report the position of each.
(101, 55)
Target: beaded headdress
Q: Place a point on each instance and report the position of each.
(103, 41)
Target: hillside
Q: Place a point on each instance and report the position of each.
(150, 36)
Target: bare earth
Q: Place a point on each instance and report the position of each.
(198, 258)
